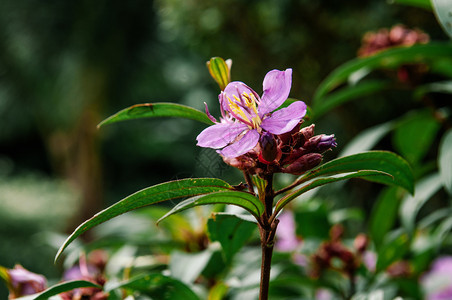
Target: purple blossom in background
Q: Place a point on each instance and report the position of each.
(245, 116)
(437, 283)
(24, 282)
(287, 239)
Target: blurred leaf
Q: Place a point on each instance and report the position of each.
(188, 266)
(242, 199)
(445, 161)
(392, 251)
(415, 134)
(383, 161)
(152, 110)
(348, 93)
(425, 4)
(218, 291)
(367, 139)
(158, 286)
(365, 174)
(391, 58)
(443, 13)
(220, 71)
(64, 287)
(440, 232)
(345, 214)
(411, 205)
(435, 87)
(151, 195)
(384, 214)
(232, 232)
(312, 213)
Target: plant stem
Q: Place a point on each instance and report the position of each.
(267, 233)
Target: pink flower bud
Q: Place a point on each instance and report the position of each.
(23, 282)
(303, 164)
(269, 148)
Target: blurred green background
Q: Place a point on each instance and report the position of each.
(66, 65)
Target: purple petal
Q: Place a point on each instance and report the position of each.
(220, 135)
(285, 119)
(235, 88)
(276, 90)
(242, 146)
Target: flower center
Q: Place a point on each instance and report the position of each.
(244, 109)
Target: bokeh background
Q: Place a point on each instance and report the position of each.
(67, 65)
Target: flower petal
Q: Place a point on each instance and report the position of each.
(235, 90)
(220, 135)
(242, 146)
(285, 119)
(277, 86)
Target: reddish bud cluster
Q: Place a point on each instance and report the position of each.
(398, 35)
(294, 152)
(332, 251)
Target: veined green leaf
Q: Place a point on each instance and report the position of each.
(64, 287)
(151, 195)
(391, 58)
(445, 161)
(384, 161)
(159, 286)
(443, 13)
(160, 109)
(366, 174)
(241, 199)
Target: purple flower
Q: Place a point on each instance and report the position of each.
(24, 282)
(245, 116)
(437, 283)
(287, 239)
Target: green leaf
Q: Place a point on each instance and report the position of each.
(309, 213)
(187, 267)
(64, 287)
(435, 87)
(151, 195)
(220, 70)
(158, 286)
(218, 291)
(153, 110)
(411, 205)
(445, 161)
(384, 161)
(365, 174)
(415, 134)
(443, 13)
(242, 199)
(392, 251)
(346, 94)
(384, 214)
(232, 232)
(425, 4)
(391, 58)
(367, 139)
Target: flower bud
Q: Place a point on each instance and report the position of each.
(303, 164)
(220, 70)
(269, 148)
(308, 132)
(320, 143)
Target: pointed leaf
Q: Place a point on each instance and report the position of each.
(151, 195)
(232, 232)
(241, 199)
(365, 174)
(153, 110)
(158, 286)
(64, 287)
(390, 58)
(445, 161)
(383, 161)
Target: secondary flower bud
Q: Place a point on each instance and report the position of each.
(303, 164)
(269, 148)
(320, 143)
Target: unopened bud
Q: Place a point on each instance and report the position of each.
(360, 243)
(269, 148)
(320, 143)
(308, 132)
(220, 70)
(303, 164)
